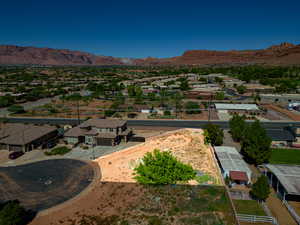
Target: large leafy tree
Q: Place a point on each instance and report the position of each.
(260, 188)
(192, 108)
(162, 168)
(256, 144)
(238, 127)
(213, 134)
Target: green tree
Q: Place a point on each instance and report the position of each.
(16, 109)
(12, 213)
(184, 85)
(260, 189)
(238, 127)
(220, 95)
(213, 134)
(256, 144)
(192, 108)
(177, 100)
(162, 168)
(241, 89)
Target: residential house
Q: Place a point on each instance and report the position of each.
(95, 132)
(22, 137)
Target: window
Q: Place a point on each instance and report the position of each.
(111, 129)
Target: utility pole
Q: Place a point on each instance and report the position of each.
(209, 107)
(78, 113)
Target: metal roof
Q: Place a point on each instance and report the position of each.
(280, 134)
(224, 106)
(231, 160)
(288, 175)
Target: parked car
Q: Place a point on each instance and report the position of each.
(15, 155)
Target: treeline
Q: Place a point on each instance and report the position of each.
(254, 140)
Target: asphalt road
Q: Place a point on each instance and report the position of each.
(157, 123)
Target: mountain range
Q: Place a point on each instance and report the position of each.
(283, 54)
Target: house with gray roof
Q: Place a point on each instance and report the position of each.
(95, 132)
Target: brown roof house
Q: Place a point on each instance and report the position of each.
(97, 132)
(22, 137)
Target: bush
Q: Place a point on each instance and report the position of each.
(58, 151)
(260, 189)
(192, 108)
(167, 113)
(12, 213)
(16, 109)
(162, 168)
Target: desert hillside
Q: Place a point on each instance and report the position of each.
(283, 54)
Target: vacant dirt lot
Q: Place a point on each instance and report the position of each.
(186, 144)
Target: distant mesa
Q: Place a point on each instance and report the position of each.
(282, 54)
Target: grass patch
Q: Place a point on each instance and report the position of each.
(285, 156)
(58, 151)
(250, 207)
(205, 179)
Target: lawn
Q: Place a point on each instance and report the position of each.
(250, 207)
(58, 151)
(285, 156)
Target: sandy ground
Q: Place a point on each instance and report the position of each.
(185, 144)
(296, 206)
(4, 156)
(286, 112)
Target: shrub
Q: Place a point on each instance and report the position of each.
(58, 151)
(12, 212)
(16, 109)
(260, 188)
(167, 113)
(162, 168)
(192, 108)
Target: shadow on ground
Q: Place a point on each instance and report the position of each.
(44, 184)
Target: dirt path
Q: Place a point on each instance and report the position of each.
(279, 211)
(286, 112)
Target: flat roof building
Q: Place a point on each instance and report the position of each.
(244, 107)
(232, 164)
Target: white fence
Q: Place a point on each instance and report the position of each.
(255, 219)
(292, 211)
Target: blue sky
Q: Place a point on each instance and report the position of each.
(149, 28)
